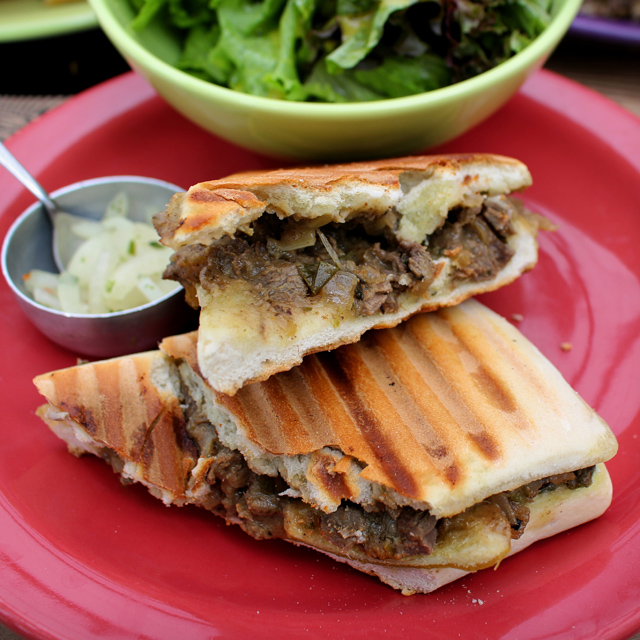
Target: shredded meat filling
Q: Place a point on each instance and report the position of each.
(513, 503)
(289, 261)
(256, 503)
(475, 243)
(380, 534)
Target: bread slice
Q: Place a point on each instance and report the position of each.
(289, 262)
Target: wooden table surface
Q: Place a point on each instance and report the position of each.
(611, 69)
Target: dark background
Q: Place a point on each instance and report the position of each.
(58, 65)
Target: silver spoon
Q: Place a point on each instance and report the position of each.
(11, 163)
(28, 245)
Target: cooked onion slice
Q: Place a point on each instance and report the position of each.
(117, 265)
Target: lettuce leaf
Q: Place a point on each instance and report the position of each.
(344, 50)
(361, 33)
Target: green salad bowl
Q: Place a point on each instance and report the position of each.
(313, 131)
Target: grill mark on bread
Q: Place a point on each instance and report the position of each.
(453, 474)
(193, 223)
(339, 421)
(487, 381)
(492, 389)
(147, 444)
(492, 383)
(286, 422)
(253, 410)
(269, 410)
(167, 451)
(313, 408)
(204, 195)
(134, 403)
(502, 343)
(306, 396)
(437, 359)
(242, 197)
(488, 446)
(108, 402)
(71, 387)
(419, 407)
(341, 372)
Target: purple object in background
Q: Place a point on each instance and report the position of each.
(606, 29)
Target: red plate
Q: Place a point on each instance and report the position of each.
(81, 557)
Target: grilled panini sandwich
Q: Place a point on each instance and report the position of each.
(417, 454)
(290, 262)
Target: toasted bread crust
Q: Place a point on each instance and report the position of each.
(213, 209)
(122, 406)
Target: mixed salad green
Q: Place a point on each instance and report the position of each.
(344, 50)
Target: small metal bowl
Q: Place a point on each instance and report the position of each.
(28, 245)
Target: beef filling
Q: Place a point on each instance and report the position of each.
(256, 503)
(513, 503)
(289, 261)
(475, 240)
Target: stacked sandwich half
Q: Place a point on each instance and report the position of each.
(433, 446)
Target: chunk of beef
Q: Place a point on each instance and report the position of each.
(516, 513)
(475, 251)
(260, 508)
(420, 262)
(381, 534)
(418, 529)
(282, 283)
(498, 212)
(230, 467)
(371, 296)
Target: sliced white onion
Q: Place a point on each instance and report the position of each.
(118, 265)
(69, 294)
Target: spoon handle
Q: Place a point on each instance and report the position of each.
(9, 162)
